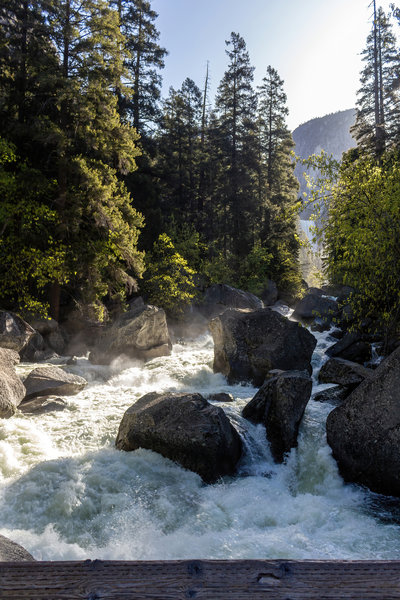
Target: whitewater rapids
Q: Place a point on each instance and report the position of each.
(68, 494)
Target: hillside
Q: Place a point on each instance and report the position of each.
(330, 133)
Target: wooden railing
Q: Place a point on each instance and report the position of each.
(201, 579)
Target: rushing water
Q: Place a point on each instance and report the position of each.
(68, 494)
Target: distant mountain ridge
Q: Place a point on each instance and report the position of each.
(330, 133)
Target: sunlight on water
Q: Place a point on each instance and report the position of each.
(68, 494)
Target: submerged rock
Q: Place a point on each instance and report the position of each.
(184, 428)
(219, 297)
(364, 433)
(45, 381)
(12, 552)
(15, 333)
(247, 345)
(139, 333)
(334, 395)
(279, 405)
(220, 397)
(12, 390)
(343, 372)
(42, 405)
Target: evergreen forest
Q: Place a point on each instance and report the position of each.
(109, 190)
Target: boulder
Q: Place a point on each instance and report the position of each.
(56, 341)
(351, 347)
(34, 349)
(270, 293)
(247, 345)
(45, 381)
(12, 390)
(184, 428)
(315, 306)
(220, 397)
(12, 552)
(279, 405)
(364, 433)
(42, 325)
(42, 405)
(334, 395)
(219, 297)
(343, 372)
(15, 333)
(139, 333)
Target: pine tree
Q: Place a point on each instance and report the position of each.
(377, 122)
(145, 58)
(179, 147)
(236, 139)
(83, 146)
(278, 187)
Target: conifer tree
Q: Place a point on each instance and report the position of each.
(179, 147)
(144, 59)
(377, 121)
(279, 187)
(83, 147)
(235, 111)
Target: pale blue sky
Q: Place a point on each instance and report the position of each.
(314, 45)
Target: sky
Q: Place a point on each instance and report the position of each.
(315, 46)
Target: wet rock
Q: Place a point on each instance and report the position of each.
(219, 297)
(184, 428)
(12, 552)
(315, 306)
(351, 347)
(247, 345)
(15, 333)
(45, 381)
(12, 390)
(220, 397)
(42, 405)
(334, 395)
(364, 433)
(279, 405)
(344, 372)
(140, 333)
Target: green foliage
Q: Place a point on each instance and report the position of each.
(188, 243)
(362, 238)
(255, 270)
(30, 256)
(168, 280)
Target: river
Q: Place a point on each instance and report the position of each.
(67, 494)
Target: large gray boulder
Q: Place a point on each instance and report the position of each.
(247, 345)
(219, 297)
(364, 432)
(15, 333)
(46, 381)
(139, 333)
(279, 405)
(184, 428)
(12, 552)
(314, 306)
(12, 390)
(343, 372)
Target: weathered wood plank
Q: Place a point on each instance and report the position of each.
(201, 579)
